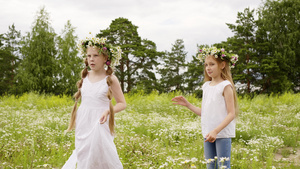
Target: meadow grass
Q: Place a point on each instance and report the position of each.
(150, 133)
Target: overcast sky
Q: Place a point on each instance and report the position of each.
(161, 21)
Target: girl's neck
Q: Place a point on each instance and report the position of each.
(99, 72)
(216, 80)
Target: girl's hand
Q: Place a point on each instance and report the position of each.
(211, 137)
(103, 117)
(180, 100)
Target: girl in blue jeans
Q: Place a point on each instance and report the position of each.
(219, 106)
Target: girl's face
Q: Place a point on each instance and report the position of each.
(213, 68)
(96, 61)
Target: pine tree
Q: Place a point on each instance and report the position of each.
(173, 68)
(134, 60)
(243, 43)
(147, 80)
(9, 59)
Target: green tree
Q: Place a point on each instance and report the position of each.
(195, 75)
(243, 43)
(5, 71)
(12, 39)
(1, 40)
(279, 45)
(9, 58)
(173, 68)
(38, 69)
(69, 63)
(147, 80)
(123, 33)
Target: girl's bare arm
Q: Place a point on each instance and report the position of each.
(118, 95)
(180, 100)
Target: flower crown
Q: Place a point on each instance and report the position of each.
(114, 53)
(217, 53)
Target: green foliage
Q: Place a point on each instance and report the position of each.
(194, 77)
(9, 59)
(6, 71)
(173, 68)
(38, 69)
(139, 56)
(1, 40)
(11, 40)
(146, 78)
(69, 64)
(243, 43)
(269, 50)
(279, 45)
(151, 132)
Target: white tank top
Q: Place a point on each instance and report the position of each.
(213, 110)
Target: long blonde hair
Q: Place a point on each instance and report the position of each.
(226, 75)
(77, 96)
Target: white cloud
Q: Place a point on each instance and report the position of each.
(162, 21)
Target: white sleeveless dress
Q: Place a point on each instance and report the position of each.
(94, 146)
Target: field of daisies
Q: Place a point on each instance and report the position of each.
(151, 133)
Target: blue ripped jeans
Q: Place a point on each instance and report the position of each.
(221, 148)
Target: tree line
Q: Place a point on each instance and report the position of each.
(268, 49)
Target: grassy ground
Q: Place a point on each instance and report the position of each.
(151, 132)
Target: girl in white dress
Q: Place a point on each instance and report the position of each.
(219, 106)
(94, 119)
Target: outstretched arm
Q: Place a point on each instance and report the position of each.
(180, 100)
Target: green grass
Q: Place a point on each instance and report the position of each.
(151, 132)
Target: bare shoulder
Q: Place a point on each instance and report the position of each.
(228, 91)
(114, 79)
